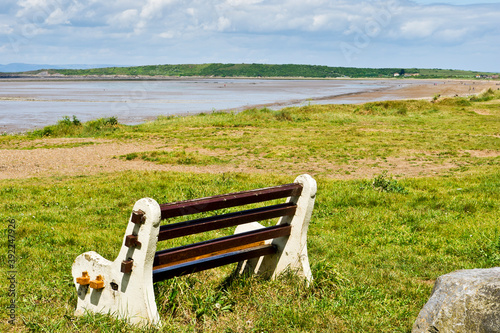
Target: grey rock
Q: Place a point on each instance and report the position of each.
(463, 301)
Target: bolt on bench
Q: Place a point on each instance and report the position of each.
(124, 287)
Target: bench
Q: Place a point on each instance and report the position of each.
(124, 287)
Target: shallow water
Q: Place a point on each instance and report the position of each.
(25, 105)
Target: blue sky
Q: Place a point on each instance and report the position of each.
(372, 33)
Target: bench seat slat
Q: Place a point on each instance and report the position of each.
(211, 262)
(195, 250)
(194, 206)
(191, 227)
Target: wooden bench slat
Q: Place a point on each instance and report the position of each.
(212, 262)
(191, 227)
(192, 251)
(194, 206)
(242, 247)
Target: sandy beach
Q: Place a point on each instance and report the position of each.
(427, 90)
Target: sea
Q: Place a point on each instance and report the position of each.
(27, 105)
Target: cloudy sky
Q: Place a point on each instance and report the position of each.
(372, 33)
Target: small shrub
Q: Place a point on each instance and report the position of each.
(101, 122)
(402, 111)
(75, 121)
(455, 101)
(131, 156)
(73, 127)
(257, 112)
(283, 115)
(488, 95)
(385, 183)
(64, 127)
(398, 108)
(66, 121)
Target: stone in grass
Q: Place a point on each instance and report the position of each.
(463, 301)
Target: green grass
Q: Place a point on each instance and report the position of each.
(67, 127)
(373, 253)
(376, 242)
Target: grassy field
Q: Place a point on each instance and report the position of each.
(407, 191)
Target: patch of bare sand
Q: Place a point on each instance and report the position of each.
(366, 168)
(101, 157)
(482, 112)
(483, 153)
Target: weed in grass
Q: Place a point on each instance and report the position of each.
(175, 157)
(491, 250)
(385, 183)
(131, 156)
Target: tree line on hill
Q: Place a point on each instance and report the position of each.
(268, 70)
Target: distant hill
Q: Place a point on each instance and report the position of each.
(21, 67)
(265, 70)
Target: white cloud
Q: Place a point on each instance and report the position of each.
(304, 30)
(453, 35)
(418, 29)
(5, 29)
(167, 34)
(125, 19)
(243, 2)
(319, 21)
(223, 23)
(33, 9)
(57, 17)
(154, 8)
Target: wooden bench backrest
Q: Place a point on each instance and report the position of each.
(225, 250)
